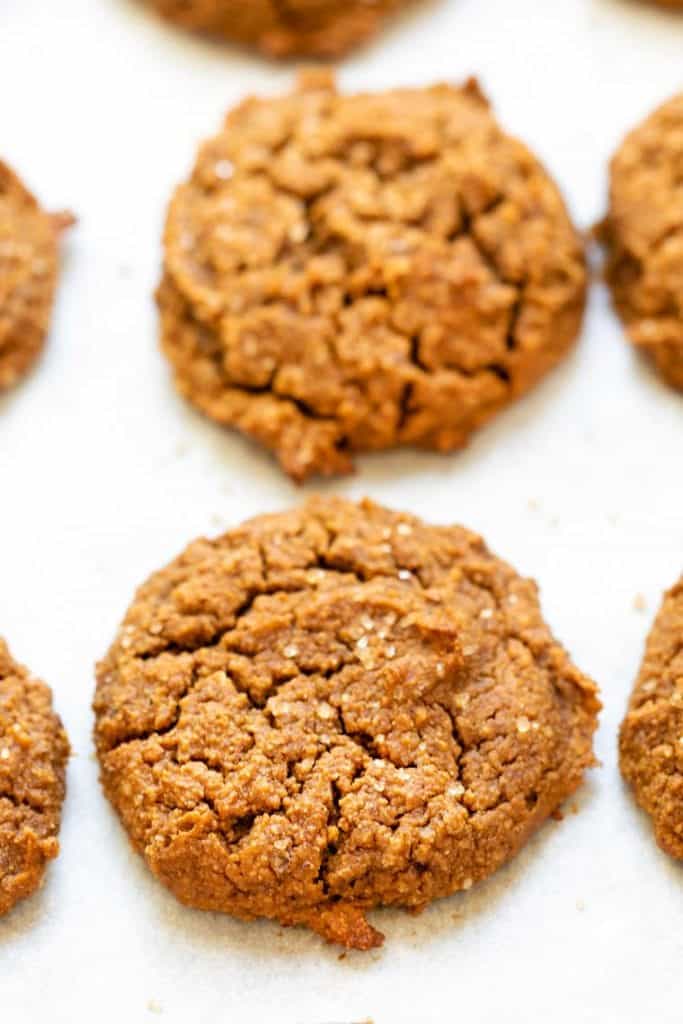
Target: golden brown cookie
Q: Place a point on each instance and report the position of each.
(33, 755)
(336, 708)
(324, 28)
(29, 262)
(354, 273)
(651, 738)
(644, 236)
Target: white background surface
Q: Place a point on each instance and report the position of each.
(105, 475)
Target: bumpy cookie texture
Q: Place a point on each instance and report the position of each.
(353, 273)
(33, 756)
(644, 236)
(283, 28)
(336, 708)
(29, 261)
(651, 738)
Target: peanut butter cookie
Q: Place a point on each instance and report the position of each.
(353, 273)
(29, 262)
(33, 755)
(333, 709)
(651, 738)
(324, 28)
(644, 236)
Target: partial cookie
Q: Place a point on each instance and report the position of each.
(324, 28)
(29, 262)
(353, 273)
(651, 738)
(333, 709)
(33, 755)
(644, 236)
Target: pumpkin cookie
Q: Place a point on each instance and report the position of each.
(324, 28)
(353, 273)
(33, 755)
(29, 261)
(336, 708)
(644, 236)
(651, 738)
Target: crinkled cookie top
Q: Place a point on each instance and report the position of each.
(354, 273)
(33, 755)
(335, 708)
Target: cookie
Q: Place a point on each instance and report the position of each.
(33, 756)
(323, 28)
(353, 273)
(651, 737)
(336, 708)
(29, 261)
(643, 233)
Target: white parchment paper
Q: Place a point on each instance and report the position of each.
(105, 475)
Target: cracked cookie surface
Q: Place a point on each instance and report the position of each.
(336, 708)
(651, 737)
(643, 233)
(29, 262)
(283, 28)
(33, 756)
(355, 273)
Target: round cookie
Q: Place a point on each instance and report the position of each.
(644, 236)
(33, 755)
(354, 273)
(29, 261)
(324, 28)
(651, 737)
(335, 708)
